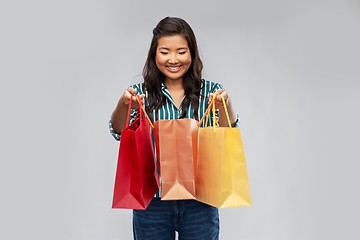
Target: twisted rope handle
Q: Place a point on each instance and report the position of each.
(212, 106)
(207, 110)
(226, 111)
(129, 110)
(142, 108)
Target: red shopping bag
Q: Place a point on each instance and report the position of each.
(137, 179)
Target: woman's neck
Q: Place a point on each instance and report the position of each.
(175, 85)
(176, 89)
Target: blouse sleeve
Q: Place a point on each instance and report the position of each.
(113, 133)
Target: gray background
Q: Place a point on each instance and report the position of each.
(291, 68)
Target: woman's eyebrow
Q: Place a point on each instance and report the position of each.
(165, 48)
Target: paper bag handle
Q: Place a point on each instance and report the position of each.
(207, 112)
(141, 109)
(226, 111)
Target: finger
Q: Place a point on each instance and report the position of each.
(132, 91)
(219, 91)
(142, 96)
(225, 95)
(126, 97)
(211, 95)
(134, 100)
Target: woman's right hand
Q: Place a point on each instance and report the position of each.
(119, 115)
(125, 98)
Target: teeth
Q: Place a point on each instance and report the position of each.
(174, 68)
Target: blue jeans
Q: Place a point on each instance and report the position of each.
(190, 218)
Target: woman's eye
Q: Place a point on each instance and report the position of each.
(164, 53)
(182, 53)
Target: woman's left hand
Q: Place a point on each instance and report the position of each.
(218, 100)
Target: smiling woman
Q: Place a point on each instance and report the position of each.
(173, 89)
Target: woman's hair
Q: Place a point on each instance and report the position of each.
(153, 77)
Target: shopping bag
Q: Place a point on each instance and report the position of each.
(137, 179)
(176, 150)
(222, 179)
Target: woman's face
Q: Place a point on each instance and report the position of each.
(173, 57)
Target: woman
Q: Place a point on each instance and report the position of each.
(172, 89)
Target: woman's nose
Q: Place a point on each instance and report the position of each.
(173, 58)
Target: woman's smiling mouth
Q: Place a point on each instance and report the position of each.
(174, 69)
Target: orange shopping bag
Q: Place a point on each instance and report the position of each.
(221, 177)
(176, 150)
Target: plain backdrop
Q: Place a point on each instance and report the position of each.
(292, 69)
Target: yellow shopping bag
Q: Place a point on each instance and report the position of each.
(221, 176)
